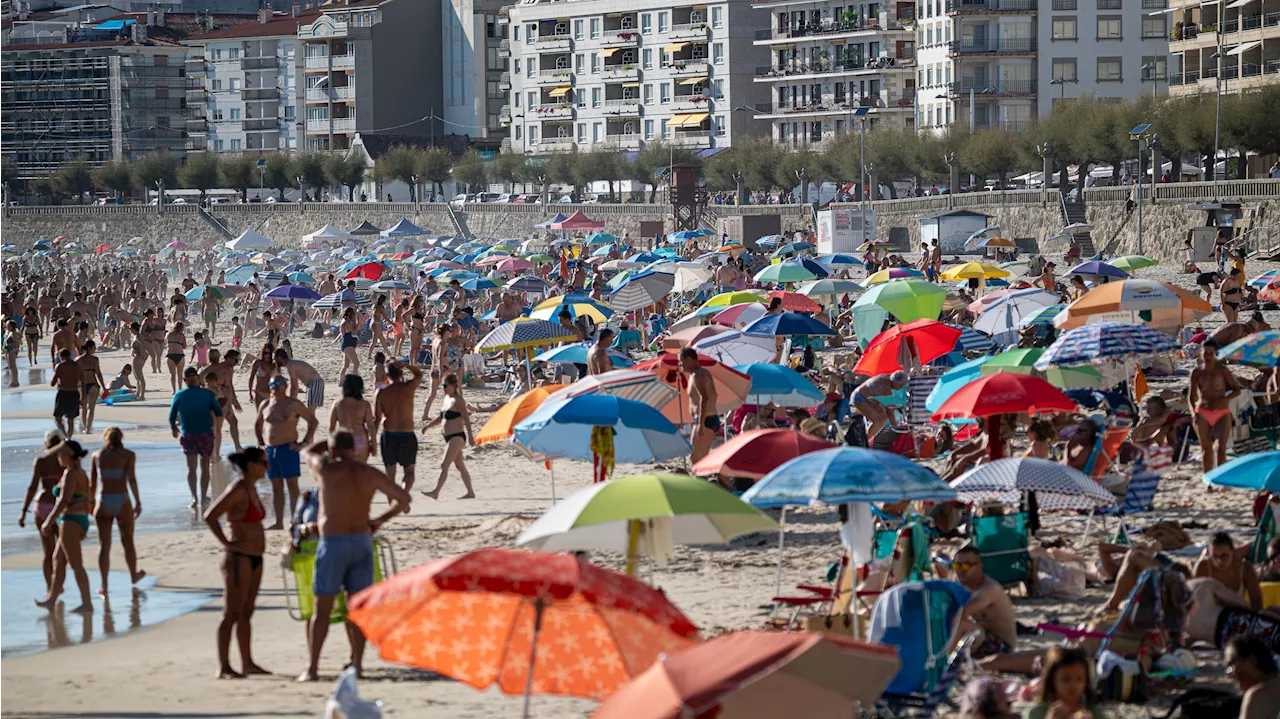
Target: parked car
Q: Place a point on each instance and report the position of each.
(565, 200)
(102, 201)
(487, 197)
(505, 197)
(528, 199)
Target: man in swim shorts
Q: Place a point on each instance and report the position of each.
(393, 411)
(191, 416)
(280, 415)
(66, 403)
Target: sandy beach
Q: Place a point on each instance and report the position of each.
(168, 669)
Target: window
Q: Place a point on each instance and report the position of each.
(1155, 4)
(1108, 4)
(717, 53)
(595, 28)
(664, 93)
(595, 97)
(1109, 28)
(215, 85)
(531, 67)
(217, 145)
(647, 56)
(596, 132)
(1109, 69)
(666, 131)
(1064, 68)
(217, 54)
(233, 53)
(1064, 28)
(628, 22)
(533, 98)
(646, 24)
(717, 89)
(1153, 26)
(235, 144)
(595, 62)
(515, 98)
(719, 124)
(582, 132)
(577, 61)
(577, 29)
(928, 35)
(215, 115)
(662, 22)
(533, 134)
(288, 49)
(717, 17)
(492, 60)
(531, 36)
(1060, 5)
(235, 113)
(233, 83)
(648, 94)
(516, 66)
(1156, 67)
(515, 35)
(699, 51)
(928, 77)
(581, 97)
(648, 129)
(288, 112)
(519, 133)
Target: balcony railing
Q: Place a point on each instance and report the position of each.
(986, 90)
(339, 124)
(317, 63)
(688, 29)
(827, 67)
(690, 102)
(261, 123)
(995, 45)
(618, 37)
(346, 92)
(694, 138)
(621, 72)
(629, 141)
(689, 68)
(259, 63)
(504, 46)
(556, 72)
(260, 93)
(555, 144)
(553, 110)
(827, 105)
(835, 27)
(623, 102)
(956, 7)
(553, 40)
(343, 62)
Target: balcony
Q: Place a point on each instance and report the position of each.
(621, 72)
(984, 91)
(555, 144)
(196, 125)
(261, 123)
(620, 38)
(689, 31)
(260, 93)
(504, 115)
(317, 63)
(623, 106)
(689, 68)
(551, 43)
(504, 47)
(623, 142)
(1006, 125)
(195, 95)
(555, 76)
(346, 93)
(339, 124)
(799, 70)
(194, 65)
(553, 111)
(259, 63)
(696, 138)
(985, 7)
(995, 46)
(686, 103)
(881, 23)
(504, 81)
(343, 62)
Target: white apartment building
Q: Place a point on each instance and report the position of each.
(1249, 40)
(619, 73)
(1001, 63)
(830, 57)
(243, 86)
(474, 60)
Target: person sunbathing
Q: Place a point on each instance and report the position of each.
(1159, 425)
(1218, 614)
(1134, 559)
(988, 611)
(967, 455)
(1221, 561)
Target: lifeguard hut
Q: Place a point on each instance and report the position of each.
(687, 198)
(1220, 218)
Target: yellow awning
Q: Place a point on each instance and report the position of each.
(694, 120)
(837, 41)
(693, 81)
(677, 121)
(783, 47)
(631, 84)
(561, 91)
(608, 52)
(675, 47)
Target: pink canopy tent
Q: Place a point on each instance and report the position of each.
(578, 221)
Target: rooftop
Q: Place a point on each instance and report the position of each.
(279, 25)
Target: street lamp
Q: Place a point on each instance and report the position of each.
(1139, 133)
(302, 194)
(1217, 110)
(417, 193)
(1149, 73)
(861, 114)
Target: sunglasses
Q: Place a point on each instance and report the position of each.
(963, 566)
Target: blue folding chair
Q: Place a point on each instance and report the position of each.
(928, 672)
(1139, 497)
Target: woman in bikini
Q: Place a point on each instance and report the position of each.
(260, 373)
(241, 562)
(74, 503)
(176, 341)
(112, 478)
(456, 416)
(153, 332)
(353, 413)
(1212, 387)
(417, 326)
(45, 475)
(403, 310)
(380, 315)
(12, 348)
(138, 354)
(1231, 295)
(438, 362)
(31, 330)
(348, 335)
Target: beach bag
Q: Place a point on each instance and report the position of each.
(1058, 576)
(1124, 680)
(1205, 704)
(1169, 534)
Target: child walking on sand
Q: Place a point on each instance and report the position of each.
(379, 371)
(237, 333)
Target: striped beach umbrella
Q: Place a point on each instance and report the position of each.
(1056, 485)
(334, 302)
(524, 332)
(1105, 341)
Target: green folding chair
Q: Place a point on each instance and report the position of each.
(1266, 532)
(299, 570)
(1004, 544)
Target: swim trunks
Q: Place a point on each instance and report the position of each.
(344, 561)
(66, 403)
(990, 646)
(283, 462)
(399, 448)
(712, 423)
(197, 443)
(315, 393)
(1237, 621)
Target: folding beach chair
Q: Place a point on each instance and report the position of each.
(1004, 544)
(1139, 497)
(300, 567)
(1266, 532)
(928, 672)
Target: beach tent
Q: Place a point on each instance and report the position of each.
(250, 240)
(366, 228)
(548, 223)
(404, 228)
(577, 221)
(328, 233)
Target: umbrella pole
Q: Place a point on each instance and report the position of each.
(538, 607)
(782, 538)
(551, 468)
(633, 545)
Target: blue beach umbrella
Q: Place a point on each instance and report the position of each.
(527, 283)
(603, 250)
(952, 380)
(847, 474)
(601, 238)
(780, 385)
(1257, 471)
(302, 277)
(818, 269)
(1101, 341)
(1099, 269)
(577, 354)
(563, 429)
(293, 292)
(390, 286)
(476, 284)
(644, 258)
(840, 261)
(787, 323)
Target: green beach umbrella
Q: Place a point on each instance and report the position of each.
(785, 272)
(540, 257)
(195, 294)
(1129, 263)
(628, 514)
(1022, 361)
(906, 299)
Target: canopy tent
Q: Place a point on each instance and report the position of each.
(328, 233)
(577, 221)
(549, 223)
(250, 240)
(404, 228)
(366, 228)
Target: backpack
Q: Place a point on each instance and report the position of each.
(1205, 704)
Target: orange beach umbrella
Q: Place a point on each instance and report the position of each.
(500, 425)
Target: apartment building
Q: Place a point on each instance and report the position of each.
(371, 66)
(588, 74)
(831, 57)
(96, 99)
(474, 46)
(1246, 32)
(243, 85)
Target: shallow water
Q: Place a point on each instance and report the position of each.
(162, 484)
(28, 629)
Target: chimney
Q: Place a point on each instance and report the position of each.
(160, 18)
(264, 14)
(151, 18)
(295, 10)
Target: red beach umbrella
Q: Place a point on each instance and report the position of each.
(755, 453)
(1004, 393)
(931, 337)
(369, 271)
(796, 302)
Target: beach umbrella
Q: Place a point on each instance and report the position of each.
(770, 241)
(501, 423)
(615, 265)
(686, 337)
(476, 284)
(513, 264)
(724, 299)
(125, 253)
(829, 286)
(526, 283)
(739, 315)
(974, 270)
(1075, 227)
(1129, 263)
(1100, 342)
(1042, 317)
(100, 249)
(391, 286)
(931, 338)
(818, 269)
(441, 265)
(641, 290)
(1098, 269)
(565, 428)
(982, 233)
(731, 385)
(1003, 393)
(793, 248)
(971, 340)
(1002, 242)
(195, 294)
(550, 308)
(952, 380)
(177, 245)
(757, 452)
(758, 674)
(839, 261)
(1258, 471)
(782, 272)
(1261, 349)
(335, 302)
(1023, 361)
(1265, 279)
(842, 475)
(684, 236)
(787, 324)
(441, 253)
(644, 514)
(893, 273)
(1006, 313)
(1056, 485)
(1016, 268)
(779, 385)
(600, 238)
(691, 276)
(734, 348)
(906, 300)
(293, 292)
(794, 302)
(522, 333)
(643, 387)
(556, 623)
(1159, 304)
(577, 352)
(367, 270)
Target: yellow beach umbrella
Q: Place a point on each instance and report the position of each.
(974, 270)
